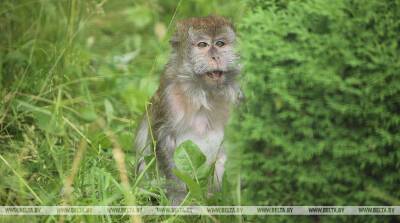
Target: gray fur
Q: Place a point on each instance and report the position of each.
(189, 104)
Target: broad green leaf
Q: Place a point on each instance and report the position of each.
(194, 187)
(192, 168)
(188, 158)
(204, 171)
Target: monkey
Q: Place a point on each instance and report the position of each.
(197, 89)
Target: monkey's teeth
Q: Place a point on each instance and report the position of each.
(215, 74)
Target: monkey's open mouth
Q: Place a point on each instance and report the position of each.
(215, 74)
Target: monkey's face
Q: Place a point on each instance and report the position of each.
(212, 56)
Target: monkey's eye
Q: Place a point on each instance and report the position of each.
(220, 43)
(202, 44)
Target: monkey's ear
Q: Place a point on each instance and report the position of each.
(229, 33)
(174, 41)
(176, 37)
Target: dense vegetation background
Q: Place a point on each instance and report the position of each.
(320, 124)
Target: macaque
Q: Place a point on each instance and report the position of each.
(196, 91)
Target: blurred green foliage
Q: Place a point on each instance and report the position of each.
(321, 124)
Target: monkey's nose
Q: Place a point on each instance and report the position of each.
(215, 58)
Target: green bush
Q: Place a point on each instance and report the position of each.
(320, 125)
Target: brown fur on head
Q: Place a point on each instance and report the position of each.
(203, 51)
(209, 25)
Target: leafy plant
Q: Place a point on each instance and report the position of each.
(192, 168)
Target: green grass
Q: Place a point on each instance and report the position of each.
(74, 80)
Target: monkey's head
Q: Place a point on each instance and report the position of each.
(204, 48)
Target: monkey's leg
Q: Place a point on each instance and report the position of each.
(176, 189)
(219, 170)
